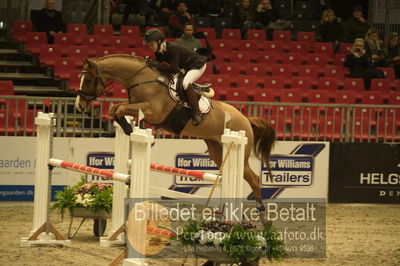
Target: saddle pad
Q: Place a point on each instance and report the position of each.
(204, 102)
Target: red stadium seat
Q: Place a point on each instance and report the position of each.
(281, 35)
(79, 32)
(268, 58)
(256, 35)
(339, 59)
(354, 84)
(263, 95)
(394, 98)
(229, 69)
(305, 36)
(105, 30)
(308, 71)
(224, 45)
(49, 53)
(325, 48)
(130, 31)
(290, 96)
(302, 83)
(282, 70)
(221, 80)
(250, 45)
(231, 34)
(64, 40)
(317, 59)
(78, 51)
(250, 82)
(242, 57)
(34, 41)
(273, 47)
(63, 67)
(274, 82)
(382, 85)
(388, 130)
(291, 58)
(318, 96)
(119, 42)
(236, 94)
(209, 33)
(20, 29)
(329, 84)
(258, 70)
(345, 97)
(372, 97)
(334, 72)
(330, 128)
(103, 51)
(300, 47)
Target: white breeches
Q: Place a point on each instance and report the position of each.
(193, 75)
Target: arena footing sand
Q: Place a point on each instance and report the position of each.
(357, 234)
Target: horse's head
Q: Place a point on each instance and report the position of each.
(92, 85)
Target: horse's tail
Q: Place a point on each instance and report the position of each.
(264, 138)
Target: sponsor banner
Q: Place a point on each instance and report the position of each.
(18, 162)
(299, 169)
(365, 173)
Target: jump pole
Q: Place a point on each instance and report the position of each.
(43, 232)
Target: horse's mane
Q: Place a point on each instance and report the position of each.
(138, 58)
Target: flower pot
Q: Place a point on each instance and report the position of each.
(86, 213)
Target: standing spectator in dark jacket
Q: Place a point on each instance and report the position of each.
(164, 9)
(360, 64)
(356, 26)
(392, 52)
(178, 21)
(331, 29)
(242, 13)
(50, 21)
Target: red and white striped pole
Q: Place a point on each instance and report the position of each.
(89, 170)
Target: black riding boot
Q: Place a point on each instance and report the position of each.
(193, 101)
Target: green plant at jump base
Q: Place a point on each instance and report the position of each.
(93, 196)
(240, 241)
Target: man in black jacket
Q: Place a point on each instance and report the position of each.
(356, 26)
(360, 64)
(50, 21)
(178, 58)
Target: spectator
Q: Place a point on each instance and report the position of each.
(164, 9)
(360, 65)
(331, 29)
(243, 17)
(356, 26)
(373, 48)
(318, 7)
(50, 20)
(392, 52)
(178, 21)
(268, 18)
(187, 39)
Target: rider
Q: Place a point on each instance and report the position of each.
(179, 57)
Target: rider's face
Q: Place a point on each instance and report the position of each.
(153, 46)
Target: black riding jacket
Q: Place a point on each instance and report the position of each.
(181, 58)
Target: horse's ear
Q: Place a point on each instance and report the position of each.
(87, 62)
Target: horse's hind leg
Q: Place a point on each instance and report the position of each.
(255, 184)
(215, 151)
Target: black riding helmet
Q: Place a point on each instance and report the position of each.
(153, 35)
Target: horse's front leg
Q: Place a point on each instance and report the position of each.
(118, 112)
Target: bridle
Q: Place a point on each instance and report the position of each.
(92, 94)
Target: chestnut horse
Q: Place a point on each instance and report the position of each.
(147, 93)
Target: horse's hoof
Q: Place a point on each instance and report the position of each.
(126, 127)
